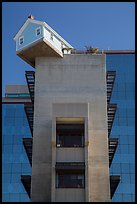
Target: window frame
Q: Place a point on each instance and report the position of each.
(68, 176)
(72, 139)
(36, 30)
(51, 36)
(21, 37)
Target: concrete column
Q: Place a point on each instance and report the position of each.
(53, 172)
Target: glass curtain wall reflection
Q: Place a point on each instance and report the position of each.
(14, 159)
(123, 127)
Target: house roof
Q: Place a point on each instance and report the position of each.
(44, 24)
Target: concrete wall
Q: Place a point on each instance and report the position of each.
(74, 79)
(70, 154)
(70, 195)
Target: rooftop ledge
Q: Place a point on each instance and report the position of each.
(43, 48)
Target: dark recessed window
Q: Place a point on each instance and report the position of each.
(69, 180)
(38, 31)
(70, 135)
(21, 40)
(51, 36)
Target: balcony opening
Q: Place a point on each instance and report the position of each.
(70, 132)
(70, 179)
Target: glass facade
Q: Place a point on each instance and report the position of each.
(14, 158)
(124, 124)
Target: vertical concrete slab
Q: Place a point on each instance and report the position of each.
(73, 79)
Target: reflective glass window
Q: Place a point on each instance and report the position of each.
(16, 168)
(5, 197)
(127, 198)
(14, 197)
(125, 178)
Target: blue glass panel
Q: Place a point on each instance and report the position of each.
(131, 122)
(130, 95)
(122, 121)
(117, 198)
(14, 197)
(17, 188)
(117, 158)
(122, 112)
(15, 177)
(5, 187)
(125, 158)
(124, 149)
(125, 168)
(16, 168)
(7, 139)
(131, 149)
(15, 158)
(17, 148)
(132, 168)
(116, 168)
(5, 197)
(6, 178)
(127, 188)
(131, 139)
(133, 188)
(6, 168)
(17, 139)
(24, 198)
(133, 197)
(130, 113)
(132, 177)
(132, 158)
(125, 178)
(7, 149)
(123, 140)
(119, 189)
(6, 158)
(121, 87)
(127, 198)
(26, 168)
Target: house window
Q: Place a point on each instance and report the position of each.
(51, 36)
(70, 180)
(38, 31)
(21, 40)
(70, 134)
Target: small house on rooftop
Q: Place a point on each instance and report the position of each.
(38, 39)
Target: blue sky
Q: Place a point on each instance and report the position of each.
(97, 24)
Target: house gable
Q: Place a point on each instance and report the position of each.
(29, 35)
